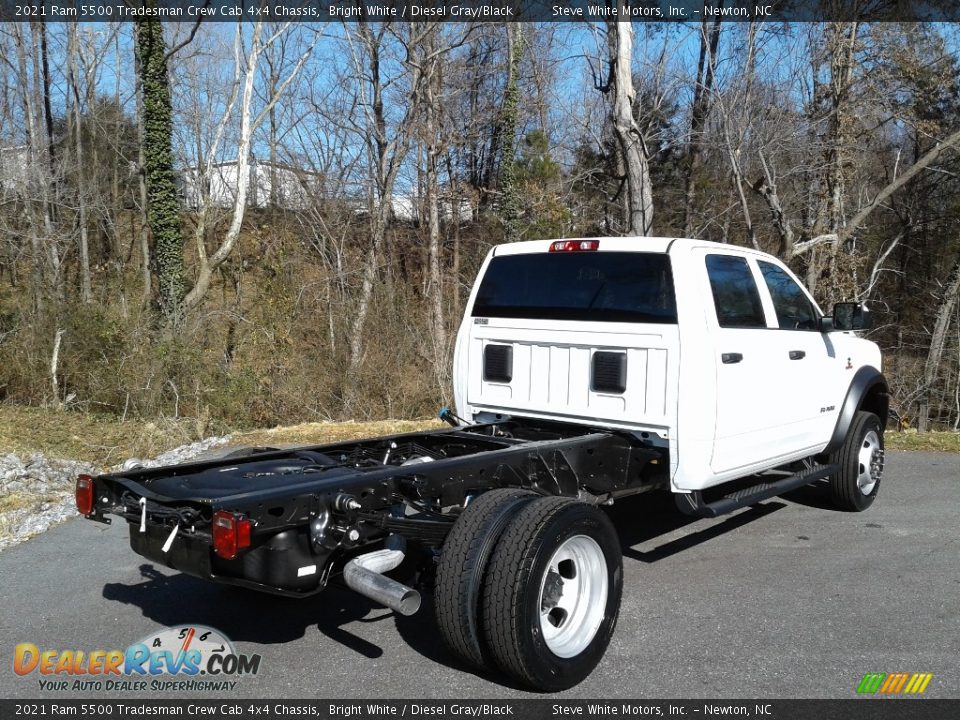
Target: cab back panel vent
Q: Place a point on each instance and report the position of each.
(609, 372)
(498, 363)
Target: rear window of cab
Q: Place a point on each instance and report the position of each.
(592, 286)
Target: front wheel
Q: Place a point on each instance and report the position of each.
(552, 593)
(855, 486)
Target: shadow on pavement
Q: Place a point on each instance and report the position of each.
(421, 634)
(815, 496)
(642, 518)
(245, 614)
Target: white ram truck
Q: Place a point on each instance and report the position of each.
(714, 353)
(585, 371)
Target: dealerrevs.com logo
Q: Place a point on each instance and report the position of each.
(184, 658)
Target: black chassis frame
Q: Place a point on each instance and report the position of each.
(323, 519)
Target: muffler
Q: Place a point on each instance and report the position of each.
(364, 575)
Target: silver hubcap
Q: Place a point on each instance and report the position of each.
(573, 596)
(870, 460)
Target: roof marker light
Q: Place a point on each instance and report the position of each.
(574, 245)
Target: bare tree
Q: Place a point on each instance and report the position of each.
(73, 50)
(33, 89)
(429, 52)
(245, 63)
(703, 92)
(630, 141)
(941, 325)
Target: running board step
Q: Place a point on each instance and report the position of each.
(764, 491)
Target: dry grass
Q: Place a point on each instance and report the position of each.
(14, 501)
(923, 442)
(327, 432)
(101, 441)
(104, 441)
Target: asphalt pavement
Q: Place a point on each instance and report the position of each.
(789, 599)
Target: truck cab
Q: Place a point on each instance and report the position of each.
(715, 353)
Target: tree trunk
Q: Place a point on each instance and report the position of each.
(508, 182)
(116, 202)
(639, 220)
(377, 234)
(432, 89)
(385, 155)
(38, 256)
(49, 190)
(700, 110)
(86, 294)
(841, 41)
(938, 338)
(163, 205)
(143, 232)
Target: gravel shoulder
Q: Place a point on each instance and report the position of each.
(36, 492)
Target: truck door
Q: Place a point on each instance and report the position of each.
(769, 359)
(749, 384)
(809, 406)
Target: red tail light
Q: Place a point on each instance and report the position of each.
(574, 245)
(84, 494)
(231, 533)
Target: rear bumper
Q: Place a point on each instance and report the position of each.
(284, 565)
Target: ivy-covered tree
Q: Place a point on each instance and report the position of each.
(163, 205)
(509, 181)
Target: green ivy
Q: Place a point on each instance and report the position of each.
(511, 206)
(163, 205)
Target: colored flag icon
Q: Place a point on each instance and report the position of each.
(894, 683)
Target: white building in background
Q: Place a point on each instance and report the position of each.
(14, 161)
(295, 187)
(413, 208)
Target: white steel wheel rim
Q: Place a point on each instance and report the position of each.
(573, 596)
(870, 462)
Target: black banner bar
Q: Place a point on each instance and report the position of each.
(481, 10)
(853, 709)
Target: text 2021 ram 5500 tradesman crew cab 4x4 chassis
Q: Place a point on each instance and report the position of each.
(585, 370)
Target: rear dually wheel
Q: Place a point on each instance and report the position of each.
(463, 563)
(552, 593)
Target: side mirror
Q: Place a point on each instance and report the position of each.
(851, 316)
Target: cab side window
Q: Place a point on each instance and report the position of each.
(794, 309)
(735, 293)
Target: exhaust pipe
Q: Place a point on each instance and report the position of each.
(364, 575)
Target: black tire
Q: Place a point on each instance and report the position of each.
(518, 587)
(463, 562)
(855, 486)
